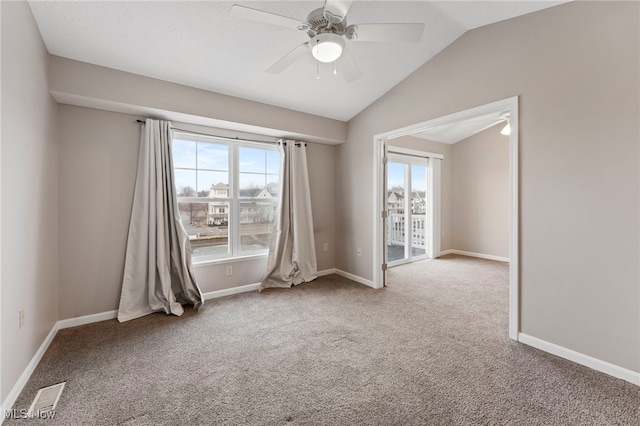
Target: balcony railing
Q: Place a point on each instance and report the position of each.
(396, 230)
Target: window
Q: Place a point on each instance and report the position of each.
(227, 194)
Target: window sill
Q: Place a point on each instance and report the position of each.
(211, 262)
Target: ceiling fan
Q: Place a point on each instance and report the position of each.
(327, 29)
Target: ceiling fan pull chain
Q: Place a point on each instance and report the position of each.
(317, 69)
(335, 69)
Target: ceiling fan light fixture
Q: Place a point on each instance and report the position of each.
(326, 47)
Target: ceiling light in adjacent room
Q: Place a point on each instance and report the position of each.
(507, 129)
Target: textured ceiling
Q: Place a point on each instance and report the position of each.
(200, 45)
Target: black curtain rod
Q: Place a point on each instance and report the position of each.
(226, 137)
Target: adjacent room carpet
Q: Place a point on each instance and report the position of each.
(430, 349)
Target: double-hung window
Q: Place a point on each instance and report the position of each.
(227, 194)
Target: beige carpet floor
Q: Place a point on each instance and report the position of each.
(430, 349)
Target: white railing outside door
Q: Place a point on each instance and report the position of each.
(396, 230)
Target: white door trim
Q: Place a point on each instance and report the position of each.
(510, 105)
(413, 152)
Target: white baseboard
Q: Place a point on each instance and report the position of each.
(355, 278)
(472, 254)
(87, 319)
(582, 359)
(230, 291)
(344, 274)
(250, 287)
(26, 374)
(326, 272)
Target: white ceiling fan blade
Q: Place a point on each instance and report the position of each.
(289, 59)
(266, 17)
(406, 33)
(346, 66)
(336, 10)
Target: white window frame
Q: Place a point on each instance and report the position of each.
(233, 201)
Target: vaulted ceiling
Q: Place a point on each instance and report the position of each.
(200, 44)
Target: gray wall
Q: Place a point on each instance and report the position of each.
(98, 160)
(575, 68)
(481, 208)
(29, 194)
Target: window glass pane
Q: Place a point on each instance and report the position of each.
(396, 226)
(418, 188)
(273, 162)
(252, 160)
(419, 177)
(185, 183)
(184, 153)
(257, 225)
(418, 209)
(207, 225)
(212, 156)
(251, 184)
(218, 181)
(272, 185)
(395, 176)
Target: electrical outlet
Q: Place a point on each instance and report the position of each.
(359, 251)
(21, 318)
(229, 270)
(326, 246)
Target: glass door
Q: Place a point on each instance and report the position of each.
(418, 178)
(396, 235)
(407, 209)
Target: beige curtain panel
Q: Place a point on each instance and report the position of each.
(157, 275)
(292, 255)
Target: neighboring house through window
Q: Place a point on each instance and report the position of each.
(227, 194)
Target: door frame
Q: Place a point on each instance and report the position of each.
(380, 143)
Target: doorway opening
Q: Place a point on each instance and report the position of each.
(507, 109)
